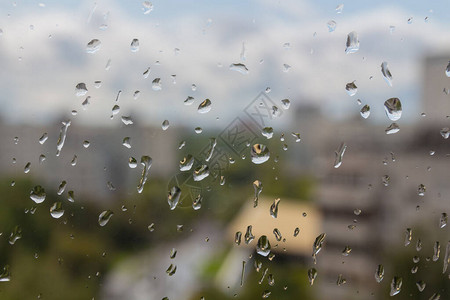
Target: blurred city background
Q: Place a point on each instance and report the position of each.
(255, 121)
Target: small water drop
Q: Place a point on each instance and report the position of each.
(201, 172)
(443, 220)
(340, 280)
(134, 46)
(277, 234)
(447, 70)
(393, 128)
(56, 210)
(5, 275)
(346, 251)
(351, 88)
(257, 186)
(74, 160)
(186, 163)
(436, 251)
(365, 111)
(259, 153)
(386, 73)
(86, 144)
(93, 46)
(241, 68)
(408, 236)
(393, 109)
(104, 217)
(174, 197)
(204, 107)
(171, 270)
(147, 7)
(15, 235)
(62, 137)
(396, 286)
(146, 162)
(37, 194)
(237, 238)
(197, 202)
(267, 132)
(115, 110)
(339, 154)
(165, 125)
(317, 246)
(312, 274)
(127, 120)
(43, 138)
(156, 84)
(331, 25)
(126, 142)
(263, 246)
(70, 196)
(296, 231)
(274, 208)
(352, 44)
(42, 158)
(81, 89)
(249, 237)
(26, 169)
(379, 273)
(189, 100)
(61, 187)
(339, 8)
(445, 132)
(421, 189)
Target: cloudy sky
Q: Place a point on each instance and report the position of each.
(43, 57)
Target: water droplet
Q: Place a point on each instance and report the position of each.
(267, 132)
(317, 246)
(134, 46)
(393, 128)
(379, 273)
(435, 296)
(198, 130)
(266, 294)
(74, 160)
(127, 120)
(37, 194)
(346, 251)
(212, 146)
(104, 217)
(410, 20)
(186, 163)
(204, 107)
(420, 285)
(43, 138)
(396, 286)
(93, 46)
(312, 274)
(416, 259)
(151, 227)
(241, 68)
(81, 89)
(447, 70)
(70, 196)
(15, 235)
(237, 238)
(174, 197)
(26, 169)
(443, 220)
(61, 187)
(365, 111)
(339, 8)
(249, 237)
(286, 68)
(285, 103)
(331, 25)
(445, 132)
(62, 137)
(115, 110)
(340, 280)
(274, 208)
(296, 231)
(339, 153)
(165, 125)
(193, 87)
(156, 84)
(351, 88)
(42, 158)
(436, 251)
(263, 246)
(5, 275)
(197, 203)
(86, 144)
(147, 7)
(173, 253)
(421, 189)
(242, 272)
(386, 73)
(189, 100)
(277, 234)
(393, 109)
(146, 73)
(259, 153)
(200, 173)
(146, 162)
(263, 275)
(126, 142)
(352, 42)
(171, 270)
(257, 186)
(408, 236)
(296, 136)
(56, 210)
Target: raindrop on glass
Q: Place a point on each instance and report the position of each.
(134, 46)
(241, 68)
(93, 46)
(386, 73)
(173, 197)
(393, 109)
(351, 88)
(204, 107)
(365, 111)
(104, 217)
(352, 44)
(259, 153)
(56, 210)
(263, 246)
(37, 194)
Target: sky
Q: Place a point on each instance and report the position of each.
(43, 57)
